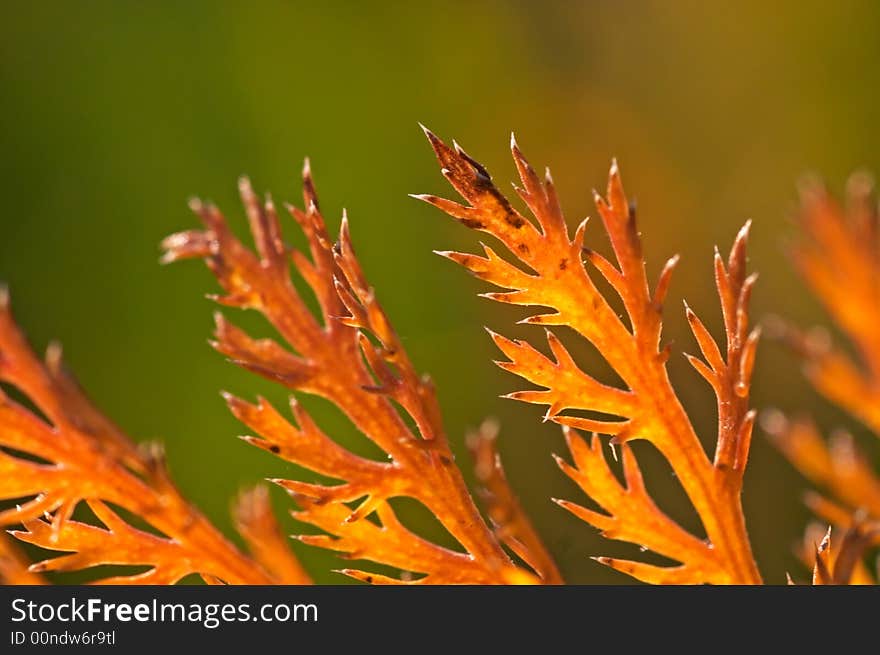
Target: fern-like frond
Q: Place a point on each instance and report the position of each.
(48, 466)
(117, 543)
(351, 356)
(553, 271)
(838, 257)
(837, 465)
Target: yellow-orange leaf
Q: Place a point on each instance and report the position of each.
(837, 465)
(48, 468)
(838, 257)
(351, 356)
(553, 271)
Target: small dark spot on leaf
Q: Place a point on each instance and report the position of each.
(472, 223)
(563, 264)
(275, 448)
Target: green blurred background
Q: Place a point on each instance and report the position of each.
(114, 113)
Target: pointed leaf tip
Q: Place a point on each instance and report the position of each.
(428, 133)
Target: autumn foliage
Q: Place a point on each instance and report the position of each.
(351, 356)
(838, 256)
(69, 454)
(554, 273)
(76, 484)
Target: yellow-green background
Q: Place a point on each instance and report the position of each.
(114, 113)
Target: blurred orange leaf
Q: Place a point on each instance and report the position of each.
(838, 257)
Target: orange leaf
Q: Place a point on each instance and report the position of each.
(351, 356)
(49, 467)
(839, 259)
(553, 272)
